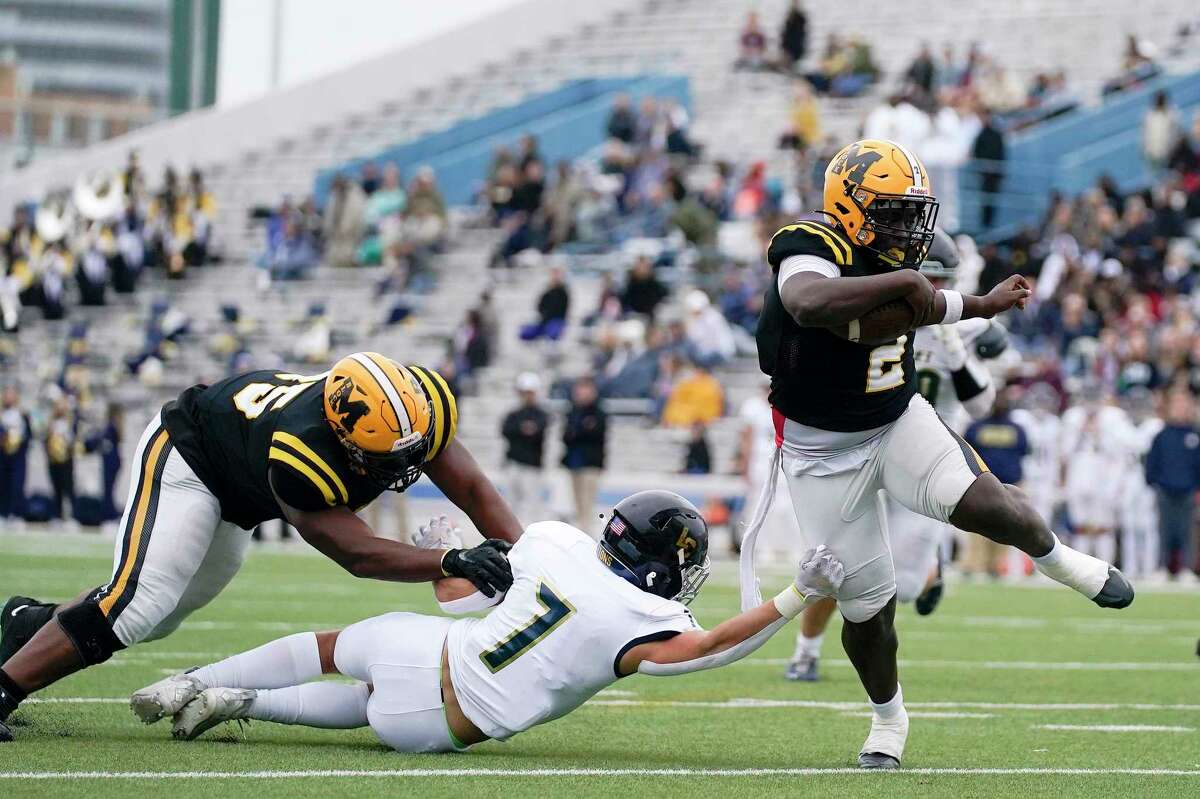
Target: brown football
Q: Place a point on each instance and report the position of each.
(884, 323)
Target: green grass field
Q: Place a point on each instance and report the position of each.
(1013, 691)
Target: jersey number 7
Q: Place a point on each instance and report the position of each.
(555, 610)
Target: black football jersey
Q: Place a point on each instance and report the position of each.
(820, 379)
(246, 433)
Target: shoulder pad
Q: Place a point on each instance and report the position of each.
(809, 238)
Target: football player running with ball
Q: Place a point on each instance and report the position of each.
(951, 375)
(221, 459)
(578, 617)
(836, 336)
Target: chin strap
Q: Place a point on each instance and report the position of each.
(750, 592)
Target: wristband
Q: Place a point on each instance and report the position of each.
(853, 330)
(954, 306)
(789, 602)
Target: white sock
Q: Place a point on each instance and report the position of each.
(1104, 547)
(278, 664)
(808, 647)
(328, 705)
(891, 708)
(1074, 569)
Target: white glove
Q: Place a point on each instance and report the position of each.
(821, 574)
(952, 346)
(438, 533)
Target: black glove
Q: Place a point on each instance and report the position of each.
(485, 565)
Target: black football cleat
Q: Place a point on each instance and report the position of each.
(929, 599)
(20, 618)
(1117, 591)
(877, 760)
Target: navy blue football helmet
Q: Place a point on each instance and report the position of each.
(658, 541)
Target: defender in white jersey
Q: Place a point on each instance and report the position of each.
(952, 377)
(577, 618)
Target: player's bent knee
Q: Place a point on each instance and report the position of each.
(90, 632)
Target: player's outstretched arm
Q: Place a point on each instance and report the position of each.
(459, 477)
(814, 300)
(820, 575)
(347, 540)
(950, 306)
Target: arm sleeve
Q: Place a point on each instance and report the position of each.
(974, 389)
(296, 489)
(716, 660)
(795, 264)
(666, 621)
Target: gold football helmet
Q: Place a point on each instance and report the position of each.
(382, 415)
(879, 193)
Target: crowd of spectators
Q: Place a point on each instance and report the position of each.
(74, 247)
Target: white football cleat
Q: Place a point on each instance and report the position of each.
(885, 745)
(212, 707)
(165, 697)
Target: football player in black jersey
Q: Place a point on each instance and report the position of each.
(219, 460)
(851, 425)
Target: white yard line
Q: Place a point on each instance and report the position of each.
(1111, 728)
(925, 714)
(582, 772)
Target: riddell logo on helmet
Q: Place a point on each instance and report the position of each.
(920, 190)
(349, 411)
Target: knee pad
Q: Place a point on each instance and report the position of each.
(89, 630)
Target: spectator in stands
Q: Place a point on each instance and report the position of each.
(201, 210)
(922, 71)
(528, 152)
(676, 118)
(345, 217)
(92, 271)
(130, 256)
(989, 153)
(585, 433)
(426, 222)
(1160, 130)
(948, 71)
(472, 349)
(710, 341)
(804, 120)
(752, 45)
(291, 258)
(489, 320)
(14, 453)
(369, 180)
(643, 290)
(622, 122)
(53, 267)
(695, 398)
(1173, 471)
(561, 203)
(631, 373)
(106, 442)
(60, 455)
(698, 460)
(1003, 445)
(793, 38)
(649, 126)
(524, 431)
(388, 199)
(551, 309)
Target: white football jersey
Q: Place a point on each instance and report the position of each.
(933, 375)
(556, 638)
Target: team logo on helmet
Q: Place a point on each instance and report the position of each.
(857, 162)
(348, 410)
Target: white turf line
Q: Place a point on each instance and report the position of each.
(584, 772)
(754, 704)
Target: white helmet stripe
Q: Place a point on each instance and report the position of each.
(918, 173)
(389, 391)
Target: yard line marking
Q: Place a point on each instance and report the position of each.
(1007, 665)
(1111, 728)
(579, 772)
(76, 700)
(925, 714)
(812, 704)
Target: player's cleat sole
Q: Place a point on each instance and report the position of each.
(212, 707)
(1117, 591)
(877, 760)
(20, 618)
(165, 697)
(929, 599)
(803, 669)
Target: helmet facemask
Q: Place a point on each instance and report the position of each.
(393, 471)
(896, 227)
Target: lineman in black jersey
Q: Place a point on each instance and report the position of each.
(850, 425)
(221, 459)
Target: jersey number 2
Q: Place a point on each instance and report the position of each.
(555, 610)
(883, 371)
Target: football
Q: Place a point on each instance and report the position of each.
(886, 322)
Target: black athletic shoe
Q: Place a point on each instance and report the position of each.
(929, 599)
(20, 618)
(5, 733)
(877, 760)
(1117, 591)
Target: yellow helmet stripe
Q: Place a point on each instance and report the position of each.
(445, 417)
(389, 390)
(840, 248)
(292, 442)
(306, 470)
